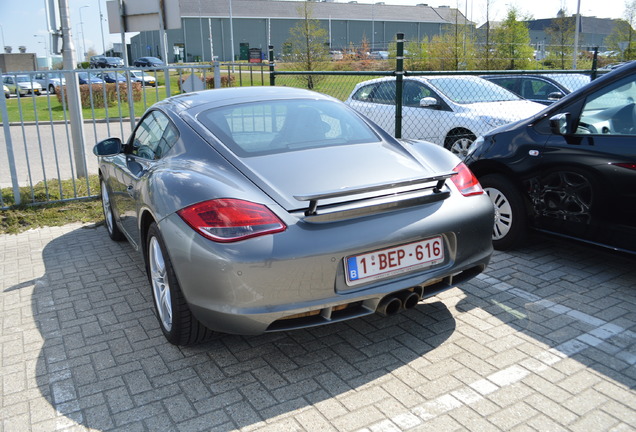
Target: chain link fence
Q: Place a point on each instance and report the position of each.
(39, 151)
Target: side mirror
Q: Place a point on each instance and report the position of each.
(428, 102)
(555, 96)
(560, 124)
(108, 147)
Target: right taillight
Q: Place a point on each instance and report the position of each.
(228, 220)
(466, 181)
(631, 166)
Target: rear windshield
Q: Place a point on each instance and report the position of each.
(266, 127)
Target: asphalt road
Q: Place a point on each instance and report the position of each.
(45, 150)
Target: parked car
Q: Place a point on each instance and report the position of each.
(7, 93)
(447, 110)
(263, 209)
(148, 62)
(106, 62)
(22, 84)
(49, 80)
(144, 78)
(89, 78)
(541, 88)
(568, 170)
(112, 77)
(379, 55)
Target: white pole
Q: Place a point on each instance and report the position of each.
(72, 87)
(576, 34)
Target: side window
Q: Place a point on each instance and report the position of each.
(611, 110)
(363, 93)
(507, 83)
(414, 92)
(537, 89)
(154, 136)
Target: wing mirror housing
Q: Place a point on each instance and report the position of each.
(560, 124)
(108, 147)
(554, 96)
(428, 102)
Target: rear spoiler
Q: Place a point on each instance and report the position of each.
(425, 185)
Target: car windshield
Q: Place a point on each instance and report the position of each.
(23, 78)
(466, 90)
(86, 76)
(266, 127)
(571, 81)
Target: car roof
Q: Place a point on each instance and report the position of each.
(237, 95)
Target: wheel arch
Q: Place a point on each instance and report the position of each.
(486, 167)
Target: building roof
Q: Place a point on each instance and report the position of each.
(321, 10)
(603, 26)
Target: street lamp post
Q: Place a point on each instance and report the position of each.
(46, 51)
(83, 40)
(101, 25)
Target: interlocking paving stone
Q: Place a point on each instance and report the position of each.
(545, 339)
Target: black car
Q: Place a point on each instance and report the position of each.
(569, 170)
(148, 62)
(106, 62)
(541, 88)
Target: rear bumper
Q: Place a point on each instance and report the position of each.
(296, 279)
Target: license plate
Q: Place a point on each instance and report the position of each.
(394, 261)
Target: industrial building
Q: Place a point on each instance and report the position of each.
(222, 28)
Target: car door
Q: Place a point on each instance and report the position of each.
(428, 122)
(153, 137)
(377, 102)
(587, 186)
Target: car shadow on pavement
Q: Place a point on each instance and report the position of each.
(574, 299)
(105, 364)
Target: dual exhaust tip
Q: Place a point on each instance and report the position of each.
(393, 303)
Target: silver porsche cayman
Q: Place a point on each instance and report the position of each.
(264, 209)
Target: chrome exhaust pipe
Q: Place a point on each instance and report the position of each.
(389, 305)
(409, 299)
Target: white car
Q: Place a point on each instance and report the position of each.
(49, 80)
(22, 84)
(451, 111)
(145, 78)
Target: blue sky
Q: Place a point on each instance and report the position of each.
(20, 20)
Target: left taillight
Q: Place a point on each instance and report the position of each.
(228, 220)
(466, 181)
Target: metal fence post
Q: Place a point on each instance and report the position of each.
(399, 74)
(272, 76)
(217, 74)
(17, 199)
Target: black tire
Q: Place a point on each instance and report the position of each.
(459, 141)
(177, 323)
(109, 218)
(511, 219)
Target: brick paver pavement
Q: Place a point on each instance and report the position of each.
(543, 341)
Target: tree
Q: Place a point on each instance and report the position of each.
(308, 42)
(561, 39)
(485, 50)
(622, 37)
(512, 43)
(454, 49)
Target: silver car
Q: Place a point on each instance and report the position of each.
(263, 209)
(451, 111)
